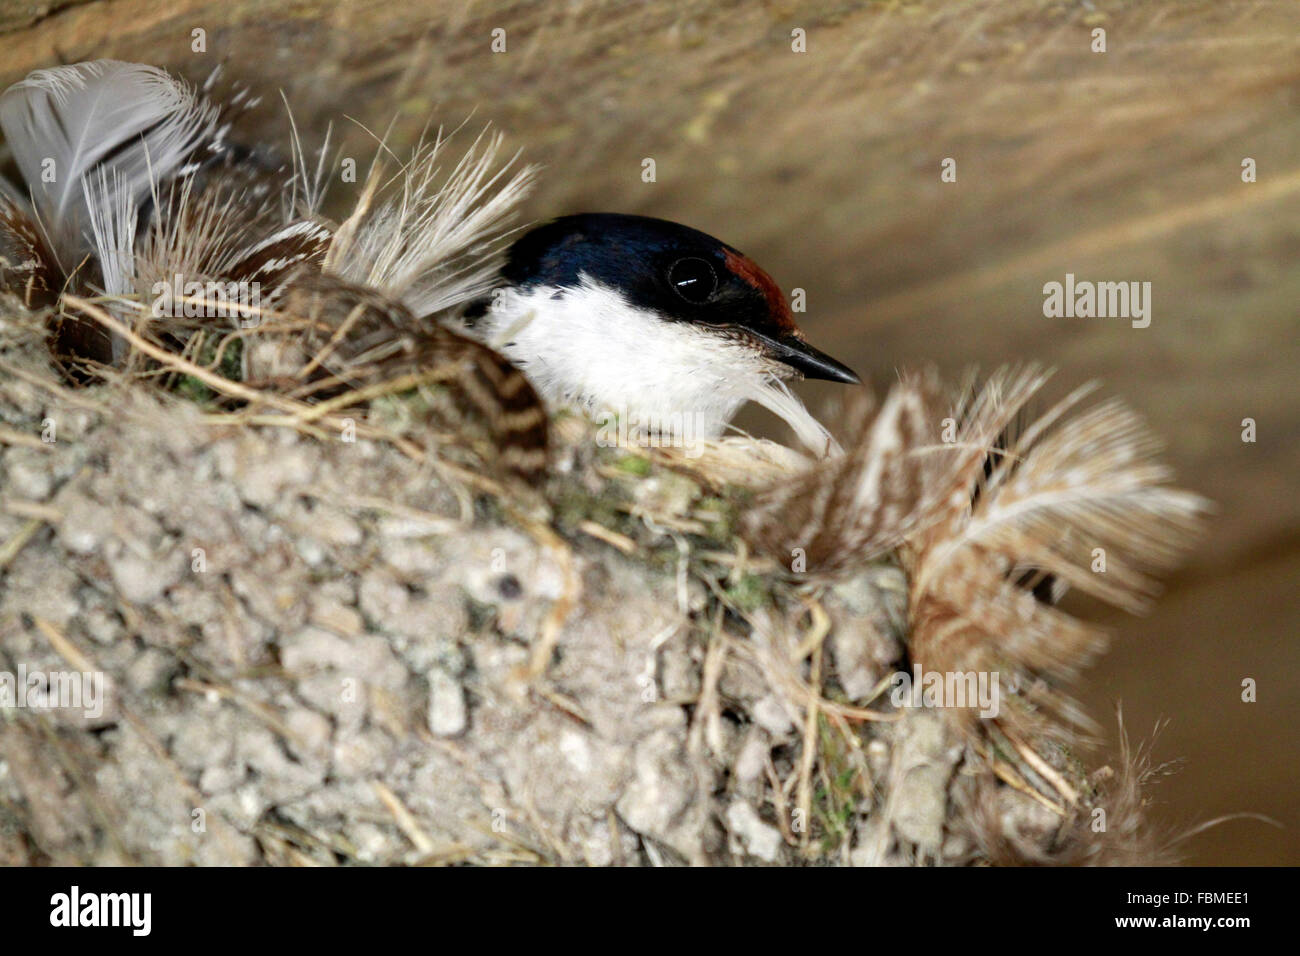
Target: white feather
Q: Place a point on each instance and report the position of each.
(432, 240)
(113, 218)
(135, 123)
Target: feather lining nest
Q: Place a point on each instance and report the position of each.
(168, 255)
(979, 507)
(1110, 825)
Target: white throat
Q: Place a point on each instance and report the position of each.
(588, 346)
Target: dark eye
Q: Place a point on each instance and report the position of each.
(694, 279)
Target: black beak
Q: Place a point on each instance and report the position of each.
(802, 357)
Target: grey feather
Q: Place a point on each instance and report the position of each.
(132, 123)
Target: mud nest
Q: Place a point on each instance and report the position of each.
(329, 648)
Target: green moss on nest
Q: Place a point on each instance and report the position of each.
(719, 515)
(633, 465)
(836, 798)
(230, 366)
(749, 593)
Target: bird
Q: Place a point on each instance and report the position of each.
(624, 316)
(653, 321)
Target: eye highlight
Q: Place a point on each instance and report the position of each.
(693, 279)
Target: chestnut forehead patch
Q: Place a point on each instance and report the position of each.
(748, 270)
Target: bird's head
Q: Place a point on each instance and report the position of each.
(676, 274)
(650, 322)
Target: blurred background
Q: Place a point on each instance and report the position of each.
(824, 165)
